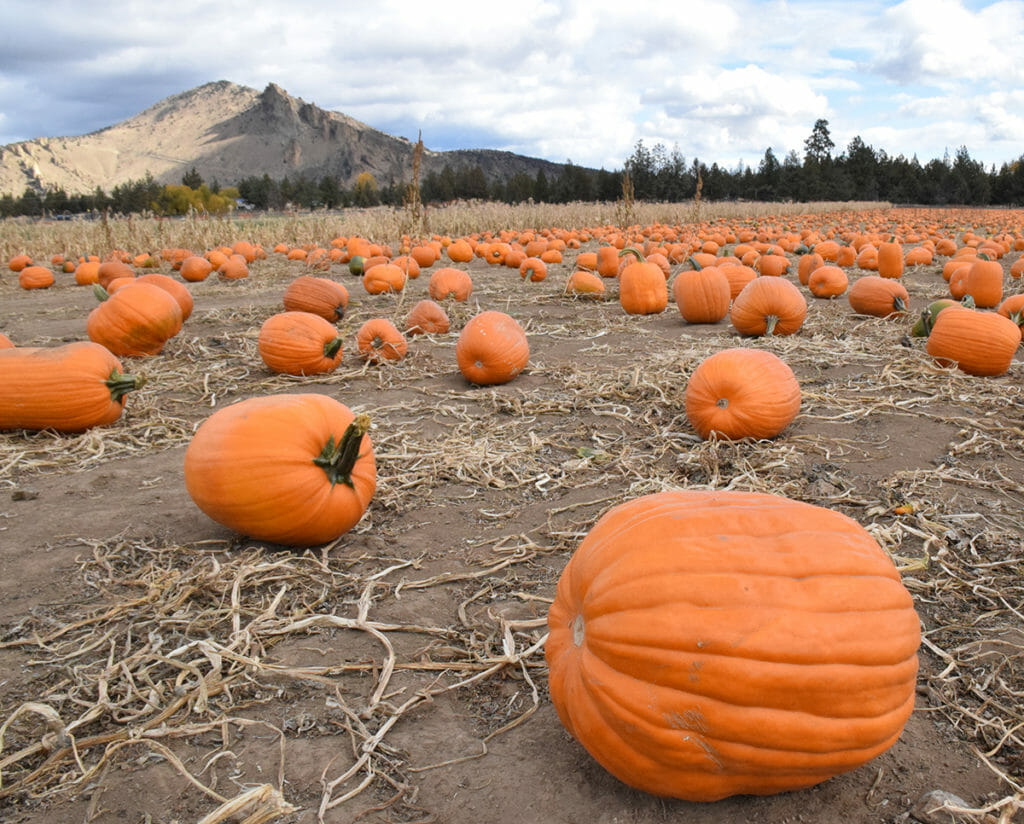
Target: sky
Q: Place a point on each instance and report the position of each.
(721, 80)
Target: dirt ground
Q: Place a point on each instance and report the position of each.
(397, 674)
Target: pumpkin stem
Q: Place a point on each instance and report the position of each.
(632, 250)
(331, 347)
(899, 305)
(337, 460)
(695, 263)
(121, 384)
(967, 301)
(769, 324)
(100, 293)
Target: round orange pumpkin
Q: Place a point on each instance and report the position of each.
(642, 287)
(378, 339)
(299, 343)
(293, 469)
(492, 348)
(768, 306)
(979, 343)
(705, 644)
(321, 296)
(742, 393)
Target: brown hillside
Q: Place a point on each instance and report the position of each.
(229, 132)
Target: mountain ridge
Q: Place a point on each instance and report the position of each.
(228, 132)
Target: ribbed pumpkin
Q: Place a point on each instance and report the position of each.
(978, 343)
(299, 343)
(448, 282)
(135, 321)
(890, 259)
(175, 288)
(378, 339)
(702, 295)
(984, 283)
(768, 306)
(584, 284)
(712, 643)
(427, 318)
(35, 277)
(384, 277)
(69, 388)
(642, 287)
(293, 469)
(321, 296)
(492, 349)
(742, 393)
(878, 296)
(827, 282)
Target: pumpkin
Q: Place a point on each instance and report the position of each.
(293, 469)
(136, 320)
(234, 268)
(923, 327)
(583, 283)
(890, 259)
(35, 277)
(299, 343)
(984, 282)
(320, 296)
(195, 268)
(807, 264)
(459, 251)
(607, 261)
(1013, 308)
(702, 295)
(772, 265)
(642, 287)
(378, 339)
(768, 306)
(533, 269)
(384, 277)
(19, 262)
(827, 282)
(878, 296)
(5, 342)
(427, 318)
(87, 272)
(742, 393)
(492, 348)
(448, 282)
(424, 255)
(978, 343)
(68, 388)
(705, 644)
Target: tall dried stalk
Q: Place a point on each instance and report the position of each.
(415, 218)
(625, 210)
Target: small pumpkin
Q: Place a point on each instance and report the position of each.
(890, 259)
(827, 282)
(195, 268)
(299, 343)
(427, 318)
(742, 393)
(384, 277)
(642, 287)
(35, 277)
(768, 306)
(492, 348)
(448, 282)
(533, 269)
(320, 296)
(878, 296)
(292, 469)
(705, 644)
(68, 388)
(378, 339)
(583, 284)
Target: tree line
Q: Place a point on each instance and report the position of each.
(858, 172)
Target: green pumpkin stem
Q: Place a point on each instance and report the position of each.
(769, 324)
(100, 293)
(632, 250)
(331, 347)
(338, 460)
(899, 305)
(121, 384)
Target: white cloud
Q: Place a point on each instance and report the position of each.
(553, 78)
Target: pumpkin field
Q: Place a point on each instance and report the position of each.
(183, 639)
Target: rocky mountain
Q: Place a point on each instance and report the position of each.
(229, 132)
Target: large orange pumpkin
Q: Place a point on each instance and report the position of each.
(979, 343)
(68, 388)
(711, 643)
(293, 469)
(321, 296)
(642, 287)
(299, 343)
(768, 306)
(135, 320)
